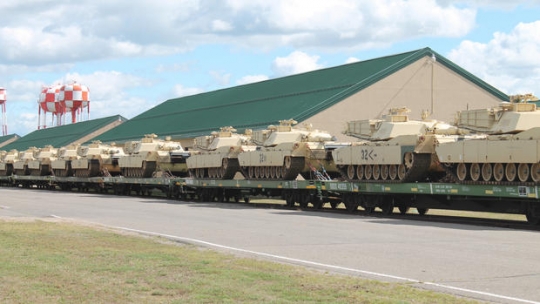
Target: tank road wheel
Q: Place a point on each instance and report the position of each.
(368, 172)
(250, 172)
(287, 162)
(384, 172)
(461, 171)
(257, 172)
(498, 172)
(273, 172)
(487, 172)
(360, 172)
(510, 172)
(408, 159)
(267, 172)
(523, 172)
(376, 172)
(279, 170)
(392, 172)
(535, 172)
(475, 172)
(401, 171)
(350, 172)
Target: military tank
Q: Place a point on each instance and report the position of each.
(283, 152)
(97, 159)
(506, 147)
(61, 166)
(393, 148)
(6, 162)
(41, 164)
(151, 156)
(216, 155)
(20, 165)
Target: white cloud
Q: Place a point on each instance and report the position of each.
(294, 63)
(352, 60)
(180, 91)
(251, 79)
(509, 61)
(88, 30)
(221, 26)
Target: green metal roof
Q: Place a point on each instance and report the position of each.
(62, 135)
(259, 104)
(8, 138)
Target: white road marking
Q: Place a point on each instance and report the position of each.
(195, 241)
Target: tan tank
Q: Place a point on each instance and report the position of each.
(6, 162)
(20, 165)
(393, 148)
(41, 165)
(509, 152)
(62, 165)
(154, 156)
(283, 152)
(97, 159)
(216, 155)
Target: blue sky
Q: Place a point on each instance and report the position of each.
(134, 55)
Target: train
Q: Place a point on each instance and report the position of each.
(495, 147)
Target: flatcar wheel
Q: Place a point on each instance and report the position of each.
(510, 172)
(475, 171)
(368, 172)
(350, 172)
(498, 172)
(523, 172)
(487, 172)
(376, 172)
(360, 172)
(422, 211)
(401, 171)
(461, 171)
(392, 172)
(384, 172)
(535, 172)
(403, 209)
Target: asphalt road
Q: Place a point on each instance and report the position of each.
(493, 264)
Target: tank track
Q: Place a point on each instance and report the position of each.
(451, 177)
(296, 167)
(417, 172)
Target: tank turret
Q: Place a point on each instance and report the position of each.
(97, 159)
(393, 148)
(505, 119)
(41, 165)
(62, 165)
(20, 165)
(6, 162)
(151, 156)
(283, 152)
(216, 155)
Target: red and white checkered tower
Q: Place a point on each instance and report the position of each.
(48, 102)
(3, 99)
(74, 98)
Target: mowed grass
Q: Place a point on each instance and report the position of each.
(61, 262)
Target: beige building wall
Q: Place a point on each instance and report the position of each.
(423, 85)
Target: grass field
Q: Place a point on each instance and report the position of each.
(60, 262)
